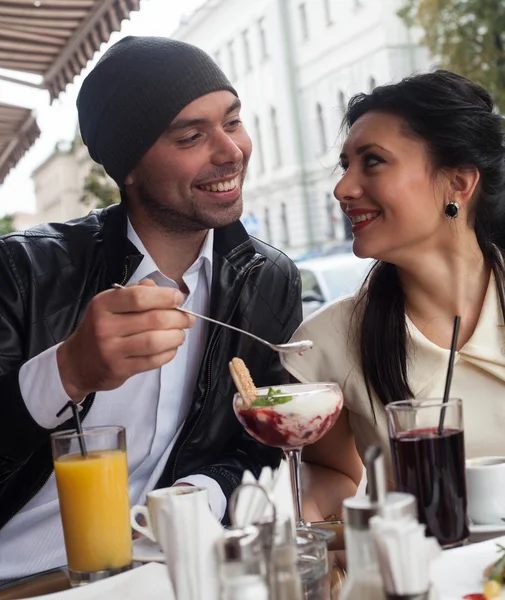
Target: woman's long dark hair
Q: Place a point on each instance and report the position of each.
(457, 120)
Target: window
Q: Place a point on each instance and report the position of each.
(259, 146)
(327, 12)
(263, 39)
(284, 225)
(268, 229)
(341, 102)
(231, 61)
(304, 24)
(321, 129)
(372, 84)
(275, 137)
(330, 205)
(247, 51)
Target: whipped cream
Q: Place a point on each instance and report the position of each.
(299, 422)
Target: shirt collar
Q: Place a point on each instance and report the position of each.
(148, 267)
(428, 361)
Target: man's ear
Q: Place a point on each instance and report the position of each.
(129, 179)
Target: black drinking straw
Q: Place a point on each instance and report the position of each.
(78, 425)
(450, 368)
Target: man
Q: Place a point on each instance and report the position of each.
(164, 121)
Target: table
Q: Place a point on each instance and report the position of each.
(38, 585)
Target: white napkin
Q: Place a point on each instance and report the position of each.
(252, 502)
(149, 581)
(189, 533)
(282, 495)
(404, 554)
(253, 505)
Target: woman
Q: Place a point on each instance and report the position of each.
(424, 187)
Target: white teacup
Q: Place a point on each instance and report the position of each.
(154, 501)
(485, 484)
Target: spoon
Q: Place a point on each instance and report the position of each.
(299, 347)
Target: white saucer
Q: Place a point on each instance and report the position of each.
(480, 533)
(146, 551)
(491, 528)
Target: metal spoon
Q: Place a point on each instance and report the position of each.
(299, 347)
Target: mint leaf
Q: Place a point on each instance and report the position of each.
(262, 402)
(282, 399)
(271, 399)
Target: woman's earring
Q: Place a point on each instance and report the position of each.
(452, 210)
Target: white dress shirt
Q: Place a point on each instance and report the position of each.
(152, 406)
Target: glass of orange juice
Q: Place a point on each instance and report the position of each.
(94, 501)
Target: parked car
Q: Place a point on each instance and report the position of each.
(327, 278)
(344, 247)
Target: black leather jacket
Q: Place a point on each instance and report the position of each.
(50, 273)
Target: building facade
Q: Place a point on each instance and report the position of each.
(59, 184)
(295, 64)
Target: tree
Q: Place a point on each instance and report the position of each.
(464, 36)
(99, 189)
(6, 224)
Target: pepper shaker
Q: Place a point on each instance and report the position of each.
(242, 565)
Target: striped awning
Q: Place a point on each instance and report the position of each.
(18, 131)
(54, 39)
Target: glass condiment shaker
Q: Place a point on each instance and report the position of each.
(363, 578)
(242, 565)
(286, 583)
(364, 581)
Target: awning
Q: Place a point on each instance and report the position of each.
(54, 39)
(18, 131)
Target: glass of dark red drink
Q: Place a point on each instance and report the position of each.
(429, 462)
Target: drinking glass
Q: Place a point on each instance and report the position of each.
(429, 462)
(312, 563)
(290, 417)
(94, 502)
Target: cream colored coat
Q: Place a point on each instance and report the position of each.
(479, 374)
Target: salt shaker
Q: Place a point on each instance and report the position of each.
(364, 581)
(286, 581)
(242, 565)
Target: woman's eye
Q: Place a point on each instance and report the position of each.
(343, 166)
(372, 160)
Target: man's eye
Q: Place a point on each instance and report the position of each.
(189, 140)
(234, 123)
(343, 166)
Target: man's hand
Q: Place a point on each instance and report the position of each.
(123, 332)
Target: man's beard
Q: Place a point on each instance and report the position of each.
(191, 220)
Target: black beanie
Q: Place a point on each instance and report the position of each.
(135, 91)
